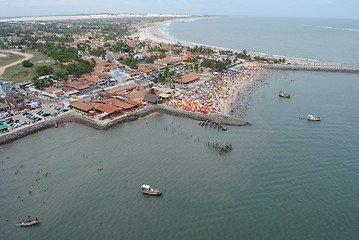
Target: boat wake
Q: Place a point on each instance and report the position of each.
(343, 29)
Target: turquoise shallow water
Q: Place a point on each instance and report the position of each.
(286, 178)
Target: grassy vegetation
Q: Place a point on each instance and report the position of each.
(18, 73)
(9, 58)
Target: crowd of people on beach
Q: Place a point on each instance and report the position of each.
(217, 95)
(239, 107)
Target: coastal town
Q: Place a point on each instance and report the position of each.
(178, 126)
(105, 75)
(105, 70)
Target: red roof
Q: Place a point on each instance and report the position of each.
(82, 86)
(108, 108)
(52, 89)
(187, 79)
(136, 94)
(125, 87)
(75, 83)
(121, 104)
(81, 105)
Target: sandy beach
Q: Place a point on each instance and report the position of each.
(148, 31)
(228, 88)
(90, 16)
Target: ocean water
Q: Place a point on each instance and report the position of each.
(286, 178)
(333, 40)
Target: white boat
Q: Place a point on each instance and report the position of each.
(313, 118)
(147, 189)
(28, 223)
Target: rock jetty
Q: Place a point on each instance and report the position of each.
(324, 68)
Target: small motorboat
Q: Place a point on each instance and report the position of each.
(284, 95)
(28, 223)
(313, 118)
(146, 189)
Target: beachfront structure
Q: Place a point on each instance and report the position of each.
(84, 106)
(151, 98)
(109, 105)
(186, 79)
(108, 110)
(122, 89)
(136, 95)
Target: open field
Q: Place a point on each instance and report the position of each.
(6, 58)
(18, 73)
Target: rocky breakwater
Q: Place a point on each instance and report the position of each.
(220, 119)
(313, 67)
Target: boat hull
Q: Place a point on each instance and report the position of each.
(154, 193)
(313, 118)
(29, 223)
(284, 95)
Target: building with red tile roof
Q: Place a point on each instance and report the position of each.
(123, 88)
(120, 103)
(84, 106)
(163, 62)
(136, 95)
(185, 79)
(108, 108)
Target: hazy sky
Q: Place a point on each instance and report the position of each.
(305, 8)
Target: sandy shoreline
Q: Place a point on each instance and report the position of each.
(148, 32)
(240, 86)
(235, 86)
(88, 16)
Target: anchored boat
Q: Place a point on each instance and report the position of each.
(313, 118)
(28, 223)
(284, 95)
(147, 189)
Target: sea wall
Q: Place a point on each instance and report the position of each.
(35, 127)
(72, 116)
(324, 68)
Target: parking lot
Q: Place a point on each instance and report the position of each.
(27, 117)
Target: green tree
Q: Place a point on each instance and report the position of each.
(61, 74)
(27, 63)
(131, 62)
(79, 68)
(44, 70)
(152, 91)
(99, 52)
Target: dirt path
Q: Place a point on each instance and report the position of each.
(26, 56)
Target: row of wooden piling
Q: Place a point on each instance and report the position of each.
(219, 126)
(220, 146)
